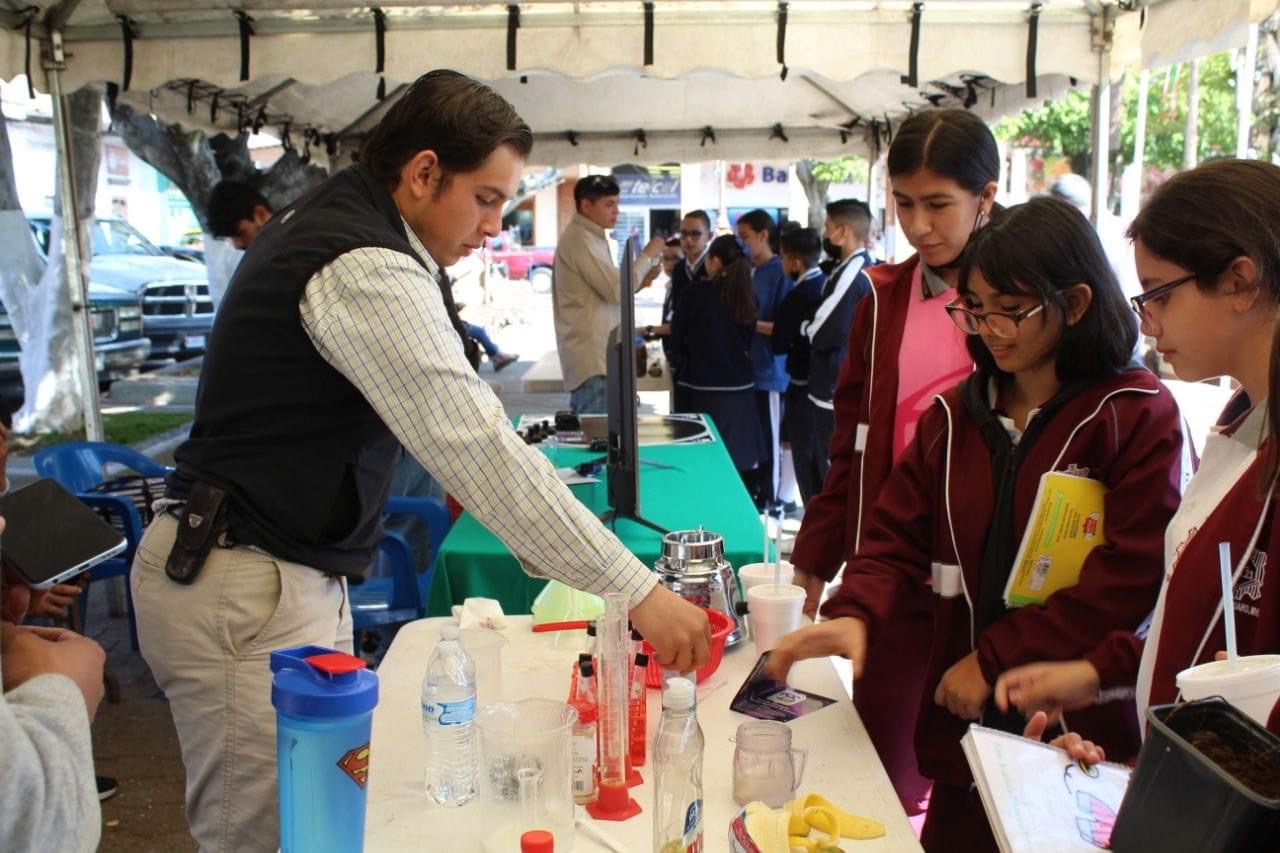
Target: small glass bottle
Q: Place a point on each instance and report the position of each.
(586, 760)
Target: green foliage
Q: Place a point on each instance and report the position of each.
(843, 170)
(1059, 127)
(120, 428)
(1167, 114)
(1062, 127)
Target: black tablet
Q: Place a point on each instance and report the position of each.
(50, 536)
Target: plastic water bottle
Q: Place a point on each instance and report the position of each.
(448, 711)
(677, 766)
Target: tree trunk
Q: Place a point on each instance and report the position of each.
(196, 163)
(815, 191)
(1191, 136)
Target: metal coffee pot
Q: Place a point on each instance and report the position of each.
(693, 566)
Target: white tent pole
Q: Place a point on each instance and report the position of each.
(1244, 92)
(72, 247)
(1104, 28)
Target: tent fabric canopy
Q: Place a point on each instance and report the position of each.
(577, 71)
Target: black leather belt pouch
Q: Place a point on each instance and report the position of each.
(200, 521)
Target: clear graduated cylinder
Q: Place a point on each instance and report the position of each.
(613, 650)
(448, 712)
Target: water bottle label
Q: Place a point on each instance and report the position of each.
(584, 763)
(692, 840)
(450, 713)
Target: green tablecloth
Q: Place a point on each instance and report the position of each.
(702, 489)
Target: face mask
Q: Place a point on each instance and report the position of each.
(834, 252)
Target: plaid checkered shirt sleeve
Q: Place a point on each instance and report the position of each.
(378, 317)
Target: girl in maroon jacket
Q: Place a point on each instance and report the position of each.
(1054, 390)
(1208, 248)
(944, 166)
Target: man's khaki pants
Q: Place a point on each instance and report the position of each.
(208, 646)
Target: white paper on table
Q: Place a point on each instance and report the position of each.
(1038, 799)
(570, 477)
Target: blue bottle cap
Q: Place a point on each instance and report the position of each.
(312, 681)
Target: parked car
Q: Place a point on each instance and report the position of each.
(534, 263)
(177, 312)
(118, 344)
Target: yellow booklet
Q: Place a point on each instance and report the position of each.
(1065, 525)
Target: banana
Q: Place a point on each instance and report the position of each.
(816, 811)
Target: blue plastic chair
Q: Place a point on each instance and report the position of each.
(80, 466)
(394, 592)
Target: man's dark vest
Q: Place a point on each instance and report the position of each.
(306, 460)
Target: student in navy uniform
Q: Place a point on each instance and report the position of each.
(801, 249)
(695, 237)
(711, 336)
(1054, 390)
(844, 235)
(759, 234)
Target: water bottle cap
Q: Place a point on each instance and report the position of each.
(678, 694)
(449, 632)
(312, 681)
(537, 841)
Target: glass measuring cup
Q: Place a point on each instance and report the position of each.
(765, 767)
(526, 772)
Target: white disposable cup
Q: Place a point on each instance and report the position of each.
(775, 611)
(754, 574)
(1251, 683)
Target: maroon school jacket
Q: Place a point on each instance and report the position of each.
(1192, 632)
(866, 400)
(930, 523)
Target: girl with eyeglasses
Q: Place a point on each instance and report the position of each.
(944, 167)
(1053, 390)
(1207, 247)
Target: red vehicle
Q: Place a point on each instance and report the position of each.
(531, 262)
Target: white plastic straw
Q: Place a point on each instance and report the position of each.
(1228, 599)
(777, 555)
(765, 519)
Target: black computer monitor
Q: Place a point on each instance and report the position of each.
(623, 460)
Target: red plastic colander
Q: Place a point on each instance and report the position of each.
(721, 628)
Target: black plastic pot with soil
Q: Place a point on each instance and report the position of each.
(1208, 779)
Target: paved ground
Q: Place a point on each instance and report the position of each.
(134, 739)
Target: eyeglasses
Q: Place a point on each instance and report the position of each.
(1002, 325)
(691, 234)
(1140, 301)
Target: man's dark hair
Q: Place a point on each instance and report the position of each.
(852, 212)
(953, 143)
(595, 187)
(462, 120)
(1041, 248)
(229, 203)
(760, 220)
(802, 243)
(700, 215)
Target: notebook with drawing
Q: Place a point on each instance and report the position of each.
(1038, 799)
